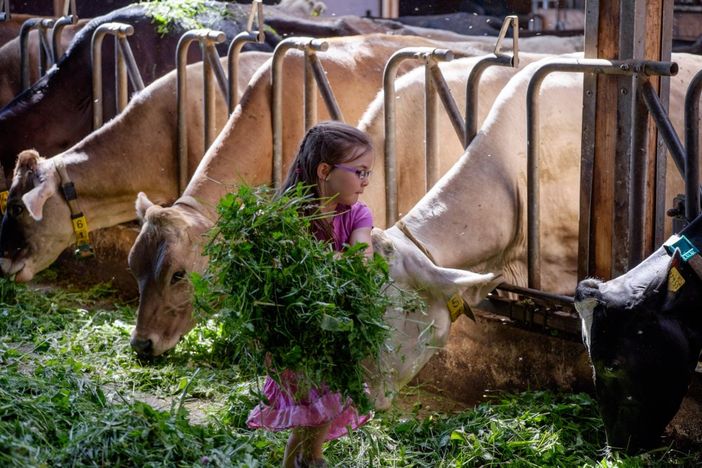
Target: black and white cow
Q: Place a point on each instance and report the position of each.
(643, 331)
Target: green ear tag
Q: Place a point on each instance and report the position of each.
(457, 306)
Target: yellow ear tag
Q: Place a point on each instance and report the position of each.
(675, 280)
(80, 228)
(457, 306)
(3, 201)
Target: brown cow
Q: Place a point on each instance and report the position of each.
(10, 81)
(134, 152)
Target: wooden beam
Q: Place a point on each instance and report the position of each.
(616, 29)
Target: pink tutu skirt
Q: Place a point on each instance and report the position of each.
(318, 407)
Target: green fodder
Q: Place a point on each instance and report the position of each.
(282, 296)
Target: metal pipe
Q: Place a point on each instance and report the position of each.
(208, 97)
(56, 32)
(325, 90)
(431, 130)
(233, 64)
(600, 66)
(300, 43)
(665, 126)
(449, 103)
(216, 67)
(5, 14)
(568, 300)
(115, 29)
(637, 174)
(132, 68)
(25, 29)
(309, 92)
(389, 74)
(121, 83)
(471, 127)
(235, 50)
(692, 143)
(496, 59)
(182, 97)
(46, 56)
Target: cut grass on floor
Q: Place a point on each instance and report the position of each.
(73, 394)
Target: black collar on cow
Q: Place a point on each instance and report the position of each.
(689, 254)
(80, 224)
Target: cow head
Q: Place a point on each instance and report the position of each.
(417, 335)
(164, 254)
(36, 226)
(643, 331)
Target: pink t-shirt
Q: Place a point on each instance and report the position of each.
(346, 220)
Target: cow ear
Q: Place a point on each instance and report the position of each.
(142, 204)
(35, 199)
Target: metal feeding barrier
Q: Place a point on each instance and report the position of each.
(435, 85)
(49, 48)
(238, 42)
(643, 68)
(314, 75)
(124, 64)
(211, 67)
(228, 85)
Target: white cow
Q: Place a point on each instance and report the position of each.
(134, 152)
(474, 218)
(169, 245)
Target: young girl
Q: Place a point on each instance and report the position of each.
(335, 160)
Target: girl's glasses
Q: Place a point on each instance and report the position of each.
(362, 174)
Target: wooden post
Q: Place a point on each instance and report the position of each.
(390, 8)
(58, 8)
(616, 29)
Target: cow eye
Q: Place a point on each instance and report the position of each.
(15, 210)
(177, 276)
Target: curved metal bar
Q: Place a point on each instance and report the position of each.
(204, 37)
(46, 55)
(389, 75)
(692, 143)
(56, 32)
(601, 66)
(116, 29)
(25, 29)
(235, 50)
(299, 43)
(233, 64)
(496, 59)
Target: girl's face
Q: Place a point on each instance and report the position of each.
(345, 180)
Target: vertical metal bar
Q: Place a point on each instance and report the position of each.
(121, 84)
(45, 53)
(692, 143)
(25, 29)
(233, 65)
(471, 126)
(5, 14)
(56, 32)
(325, 89)
(431, 130)
(277, 96)
(96, 61)
(638, 174)
(448, 102)
(208, 97)
(132, 68)
(310, 91)
(181, 101)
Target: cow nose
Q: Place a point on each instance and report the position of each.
(142, 347)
